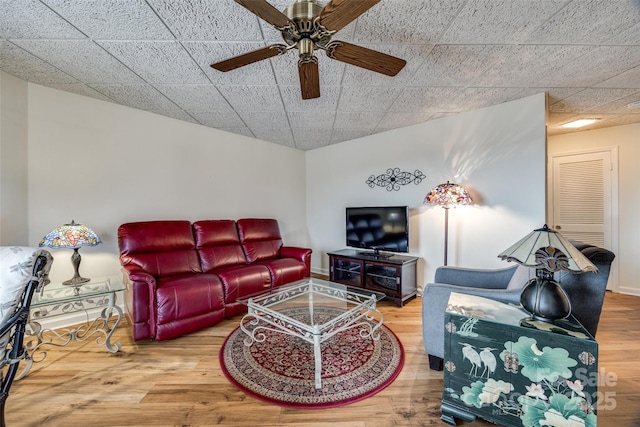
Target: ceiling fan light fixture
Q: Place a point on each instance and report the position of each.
(579, 123)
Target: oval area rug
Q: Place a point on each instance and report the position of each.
(280, 370)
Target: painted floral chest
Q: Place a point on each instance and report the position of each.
(510, 370)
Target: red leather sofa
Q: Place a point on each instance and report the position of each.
(181, 277)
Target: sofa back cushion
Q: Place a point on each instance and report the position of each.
(218, 244)
(160, 248)
(260, 238)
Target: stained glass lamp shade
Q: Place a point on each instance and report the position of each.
(447, 195)
(548, 252)
(72, 236)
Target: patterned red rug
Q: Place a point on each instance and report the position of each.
(280, 369)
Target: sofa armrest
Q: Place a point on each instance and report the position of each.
(301, 254)
(435, 297)
(140, 301)
(475, 278)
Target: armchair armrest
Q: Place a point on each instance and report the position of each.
(434, 303)
(301, 254)
(140, 301)
(475, 278)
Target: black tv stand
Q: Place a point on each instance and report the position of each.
(394, 275)
(375, 254)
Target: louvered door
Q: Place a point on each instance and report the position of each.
(585, 200)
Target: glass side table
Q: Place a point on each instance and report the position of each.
(56, 299)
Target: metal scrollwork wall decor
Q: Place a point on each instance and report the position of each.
(394, 178)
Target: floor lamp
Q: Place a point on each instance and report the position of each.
(447, 195)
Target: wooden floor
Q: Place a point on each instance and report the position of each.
(179, 382)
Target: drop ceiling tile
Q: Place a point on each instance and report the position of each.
(175, 114)
(603, 63)
(81, 59)
(281, 135)
(451, 65)
(207, 53)
(245, 131)
(112, 19)
(157, 61)
(358, 120)
(193, 98)
(293, 101)
(312, 137)
(426, 99)
(22, 64)
(341, 135)
(208, 20)
(626, 79)
(306, 119)
(395, 119)
(499, 21)
(81, 89)
(415, 56)
(472, 98)
(587, 22)
(419, 22)
(143, 97)
(630, 36)
(252, 98)
(219, 119)
(32, 20)
(520, 65)
(590, 99)
(264, 119)
(619, 106)
(367, 98)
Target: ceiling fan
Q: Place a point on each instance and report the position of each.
(307, 26)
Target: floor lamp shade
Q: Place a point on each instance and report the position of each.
(447, 195)
(72, 236)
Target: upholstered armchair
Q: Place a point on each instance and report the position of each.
(585, 291)
(23, 270)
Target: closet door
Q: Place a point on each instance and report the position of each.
(583, 198)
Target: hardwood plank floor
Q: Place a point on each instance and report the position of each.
(179, 382)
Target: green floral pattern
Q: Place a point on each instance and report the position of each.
(559, 411)
(547, 364)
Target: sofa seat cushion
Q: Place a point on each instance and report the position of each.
(242, 281)
(187, 296)
(285, 270)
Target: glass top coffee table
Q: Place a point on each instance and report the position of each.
(351, 308)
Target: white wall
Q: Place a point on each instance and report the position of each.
(627, 140)
(102, 164)
(497, 152)
(13, 161)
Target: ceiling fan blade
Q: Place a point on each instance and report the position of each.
(339, 13)
(266, 11)
(365, 58)
(249, 57)
(309, 77)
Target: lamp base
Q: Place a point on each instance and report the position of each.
(76, 281)
(545, 300)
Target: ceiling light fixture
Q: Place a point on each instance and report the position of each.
(634, 104)
(579, 123)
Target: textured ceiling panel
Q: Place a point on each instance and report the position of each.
(82, 59)
(30, 19)
(155, 55)
(112, 19)
(208, 20)
(160, 62)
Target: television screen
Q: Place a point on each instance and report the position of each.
(383, 228)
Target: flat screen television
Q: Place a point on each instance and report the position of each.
(381, 228)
